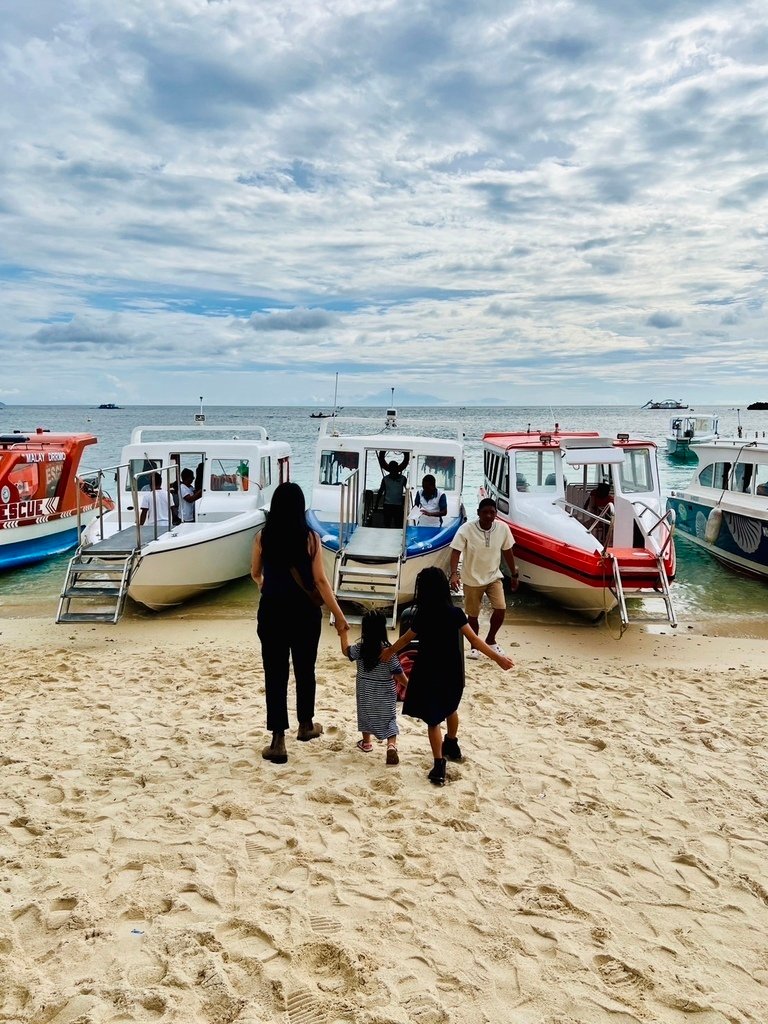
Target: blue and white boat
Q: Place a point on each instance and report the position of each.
(724, 507)
(371, 565)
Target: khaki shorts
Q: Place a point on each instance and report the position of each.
(473, 598)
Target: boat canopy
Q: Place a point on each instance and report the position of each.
(582, 451)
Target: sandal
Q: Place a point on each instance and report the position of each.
(392, 756)
(365, 747)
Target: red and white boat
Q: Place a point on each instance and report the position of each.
(588, 562)
(40, 495)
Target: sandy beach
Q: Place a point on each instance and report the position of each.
(599, 856)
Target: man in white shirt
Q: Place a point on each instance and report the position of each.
(187, 496)
(430, 505)
(154, 505)
(482, 544)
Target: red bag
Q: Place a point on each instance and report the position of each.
(406, 658)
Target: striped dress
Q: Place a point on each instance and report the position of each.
(376, 696)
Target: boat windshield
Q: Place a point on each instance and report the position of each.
(441, 467)
(336, 466)
(535, 471)
(635, 474)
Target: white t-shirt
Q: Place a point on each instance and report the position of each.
(481, 551)
(187, 508)
(159, 501)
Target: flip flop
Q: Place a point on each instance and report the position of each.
(365, 747)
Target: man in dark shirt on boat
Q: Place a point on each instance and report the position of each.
(392, 490)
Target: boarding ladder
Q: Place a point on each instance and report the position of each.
(98, 580)
(99, 575)
(369, 561)
(640, 571)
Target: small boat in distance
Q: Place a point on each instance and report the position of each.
(370, 564)
(108, 405)
(666, 403)
(320, 415)
(41, 497)
(586, 554)
(686, 433)
(724, 507)
(161, 565)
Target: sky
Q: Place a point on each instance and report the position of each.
(519, 203)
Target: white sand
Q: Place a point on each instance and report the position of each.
(600, 856)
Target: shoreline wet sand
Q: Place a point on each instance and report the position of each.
(598, 856)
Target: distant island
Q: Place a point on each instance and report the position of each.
(109, 405)
(758, 405)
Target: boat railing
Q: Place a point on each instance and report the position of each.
(349, 498)
(90, 485)
(584, 513)
(163, 471)
(658, 518)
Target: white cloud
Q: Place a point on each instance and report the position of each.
(549, 200)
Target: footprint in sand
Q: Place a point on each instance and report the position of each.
(246, 940)
(619, 975)
(303, 1008)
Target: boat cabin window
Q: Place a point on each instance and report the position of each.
(143, 467)
(25, 477)
(635, 472)
(229, 474)
(441, 467)
(535, 472)
(741, 477)
(189, 460)
(265, 473)
(496, 468)
(336, 467)
(716, 475)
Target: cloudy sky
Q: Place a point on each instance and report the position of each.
(520, 202)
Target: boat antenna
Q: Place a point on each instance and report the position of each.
(336, 394)
(200, 416)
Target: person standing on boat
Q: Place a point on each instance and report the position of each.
(481, 545)
(392, 490)
(287, 566)
(154, 504)
(187, 496)
(431, 504)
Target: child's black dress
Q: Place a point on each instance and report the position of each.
(437, 678)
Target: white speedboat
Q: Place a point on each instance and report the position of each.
(687, 432)
(161, 565)
(370, 564)
(588, 561)
(724, 507)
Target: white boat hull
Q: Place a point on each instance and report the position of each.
(191, 559)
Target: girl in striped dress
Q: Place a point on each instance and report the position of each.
(376, 695)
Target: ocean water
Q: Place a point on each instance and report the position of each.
(704, 592)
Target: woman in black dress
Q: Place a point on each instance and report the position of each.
(437, 678)
(287, 565)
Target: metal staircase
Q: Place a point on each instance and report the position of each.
(98, 578)
(370, 585)
(639, 573)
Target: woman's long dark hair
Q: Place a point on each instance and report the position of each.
(374, 637)
(285, 537)
(433, 594)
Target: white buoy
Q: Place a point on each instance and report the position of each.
(714, 522)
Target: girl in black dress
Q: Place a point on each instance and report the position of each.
(437, 678)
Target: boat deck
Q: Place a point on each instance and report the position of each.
(123, 541)
(376, 543)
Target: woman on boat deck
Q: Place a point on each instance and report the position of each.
(375, 685)
(287, 566)
(436, 683)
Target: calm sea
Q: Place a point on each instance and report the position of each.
(704, 592)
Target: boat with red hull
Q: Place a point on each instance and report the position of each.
(586, 554)
(40, 495)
